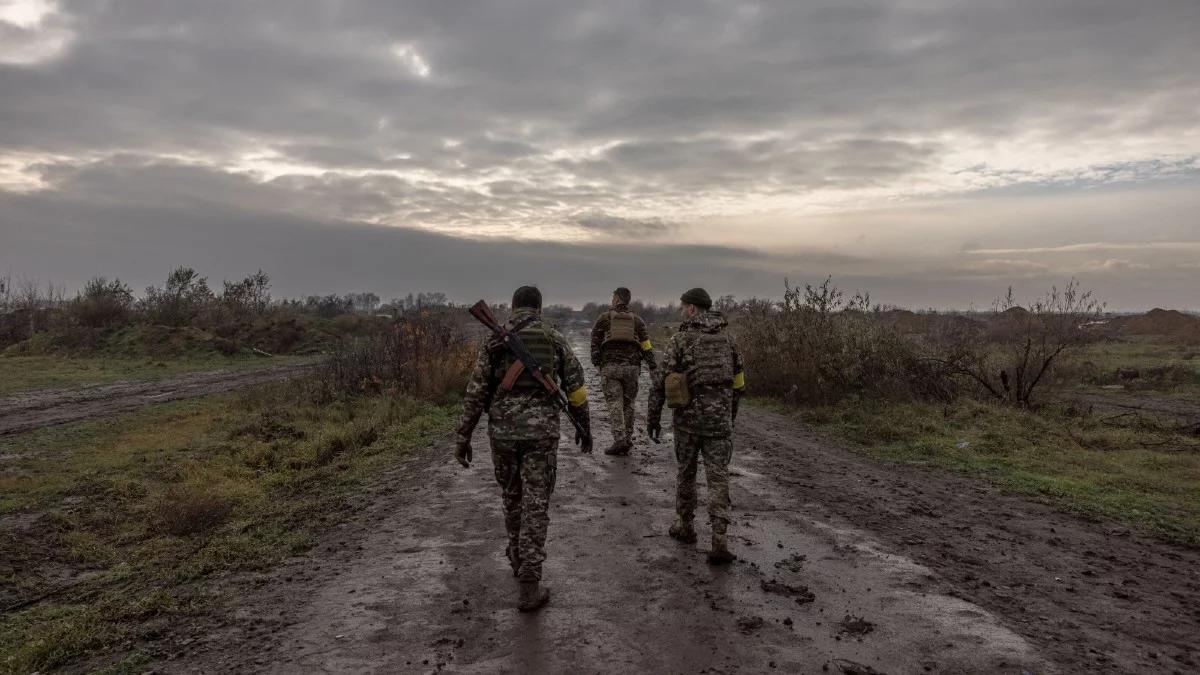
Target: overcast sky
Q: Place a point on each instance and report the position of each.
(930, 151)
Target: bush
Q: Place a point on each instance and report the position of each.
(102, 303)
(181, 301)
(421, 353)
(1011, 356)
(817, 347)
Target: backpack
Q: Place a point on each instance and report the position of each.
(709, 360)
(622, 327)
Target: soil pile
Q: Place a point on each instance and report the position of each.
(1166, 322)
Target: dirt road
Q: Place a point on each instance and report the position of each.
(847, 565)
(32, 410)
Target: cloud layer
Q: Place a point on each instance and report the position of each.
(920, 140)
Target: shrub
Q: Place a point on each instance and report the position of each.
(818, 347)
(1009, 357)
(102, 303)
(422, 353)
(184, 297)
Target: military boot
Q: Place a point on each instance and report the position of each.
(614, 449)
(533, 596)
(683, 531)
(720, 553)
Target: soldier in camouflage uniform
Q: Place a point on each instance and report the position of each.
(708, 357)
(523, 427)
(620, 343)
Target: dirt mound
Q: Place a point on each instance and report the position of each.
(913, 323)
(1165, 322)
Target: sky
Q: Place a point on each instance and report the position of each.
(931, 152)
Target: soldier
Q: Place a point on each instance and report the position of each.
(620, 343)
(702, 381)
(523, 429)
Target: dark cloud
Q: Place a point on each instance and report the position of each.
(623, 227)
(512, 119)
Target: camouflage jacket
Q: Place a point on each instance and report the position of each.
(519, 415)
(623, 353)
(712, 408)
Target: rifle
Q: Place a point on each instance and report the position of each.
(525, 361)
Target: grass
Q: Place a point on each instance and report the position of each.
(1120, 469)
(135, 516)
(24, 373)
(1162, 366)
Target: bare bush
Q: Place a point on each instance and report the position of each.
(1009, 357)
(181, 301)
(102, 303)
(818, 347)
(422, 353)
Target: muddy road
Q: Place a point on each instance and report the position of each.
(846, 565)
(36, 409)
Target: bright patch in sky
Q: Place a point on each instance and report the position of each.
(31, 32)
(411, 58)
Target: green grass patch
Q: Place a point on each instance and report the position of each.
(1119, 469)
(1141, 363)
(24, 373)
(134, 515)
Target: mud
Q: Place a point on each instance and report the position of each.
(36, 409)
(909, 571)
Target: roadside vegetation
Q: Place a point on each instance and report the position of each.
(1053, 399)
(107, 332)
(115, 533)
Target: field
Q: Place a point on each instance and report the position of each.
(122, 523)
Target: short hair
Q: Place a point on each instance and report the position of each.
(527, 297)
(623, 294)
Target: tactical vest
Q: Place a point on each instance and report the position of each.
(622, 327)
(538, 341)
(709, 360)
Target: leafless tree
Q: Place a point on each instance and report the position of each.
(1010, 356)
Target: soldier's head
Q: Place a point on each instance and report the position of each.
(693, 302)
(527, 297)
(621, 296)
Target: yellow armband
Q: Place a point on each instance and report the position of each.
(578, 397)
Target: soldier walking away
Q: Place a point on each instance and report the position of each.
(702, 381)
(523, 427)
(620, 343)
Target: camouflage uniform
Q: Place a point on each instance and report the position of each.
(523, 427)
(620, 364)
(704, 427)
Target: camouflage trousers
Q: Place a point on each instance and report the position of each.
(620, 391)
(526, 471)
(716, 453)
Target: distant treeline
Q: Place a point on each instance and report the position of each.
(186, 314)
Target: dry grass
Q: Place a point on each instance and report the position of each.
(124, 521)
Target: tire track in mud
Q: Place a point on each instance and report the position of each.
(418, 583)
(33, 410)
